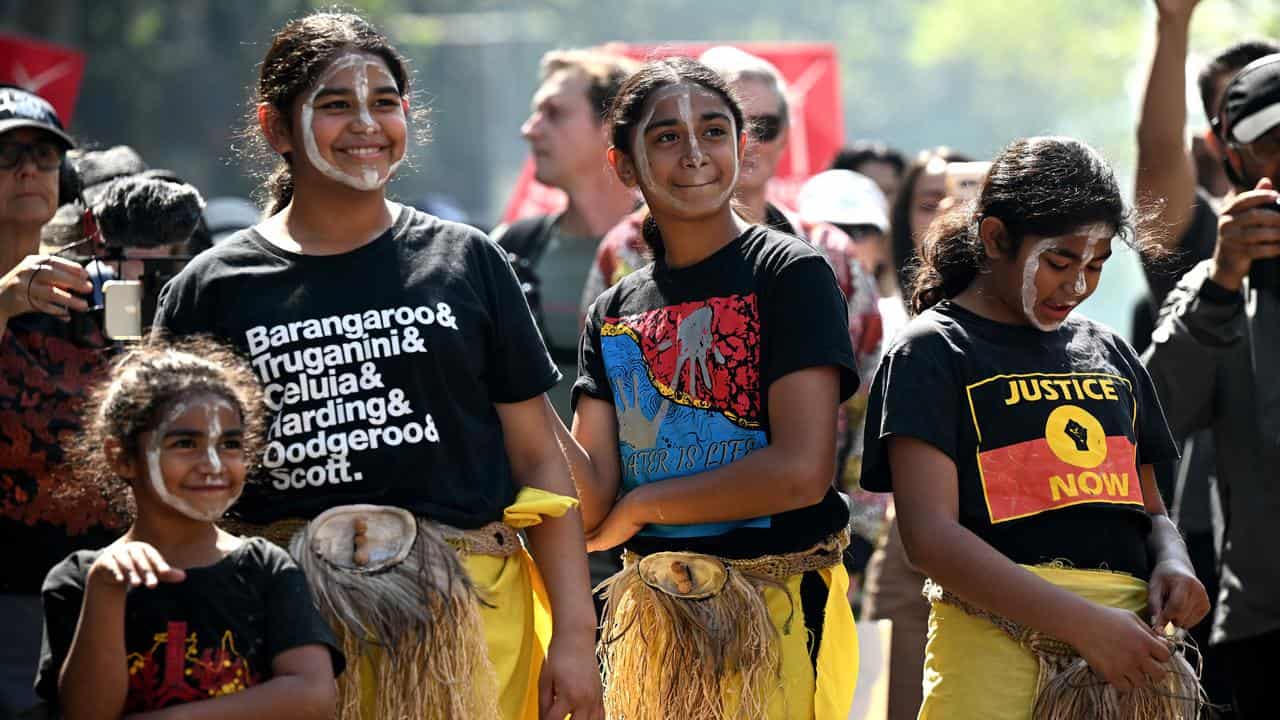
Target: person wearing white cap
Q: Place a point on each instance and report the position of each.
(1213, 357)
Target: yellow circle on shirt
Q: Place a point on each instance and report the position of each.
(1076, 437)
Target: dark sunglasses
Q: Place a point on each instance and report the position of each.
(46, 154)
(764, 128)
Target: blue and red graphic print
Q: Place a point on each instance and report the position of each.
(686, 387)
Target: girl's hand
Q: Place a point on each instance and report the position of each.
(131, 564)
(570, 679)
(1176, 596)
(619, 526)
(1115, 643)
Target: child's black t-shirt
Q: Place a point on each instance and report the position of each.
(215, 633)
(687, 356)
(1047, 431)
(380, 366)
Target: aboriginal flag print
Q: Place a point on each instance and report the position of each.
(686, 386)
(1048, 441)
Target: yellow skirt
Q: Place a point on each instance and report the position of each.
(516, 617)
(821, 692)
(973, 669)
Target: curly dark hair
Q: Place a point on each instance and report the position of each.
(140, 388)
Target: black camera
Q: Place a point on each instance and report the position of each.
(134, 229)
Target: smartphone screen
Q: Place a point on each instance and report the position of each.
(122, 309)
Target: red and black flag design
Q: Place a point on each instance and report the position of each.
(1053, 440)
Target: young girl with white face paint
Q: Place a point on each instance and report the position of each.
(1020, 443)
(406, 382)
(707, 390)
(173, 430)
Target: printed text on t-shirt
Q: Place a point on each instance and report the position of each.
(323, 381)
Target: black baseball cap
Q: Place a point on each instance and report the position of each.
(21, 109)
(1251, 104)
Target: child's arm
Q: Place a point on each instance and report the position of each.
(301, 688)
(1175, 595)
(593, 456)
(94, 679)
(794, 471)
(570, 681)
(1115, 642)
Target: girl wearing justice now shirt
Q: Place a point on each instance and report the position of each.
(1019, 441)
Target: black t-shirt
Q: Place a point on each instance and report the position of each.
(1047, 431)
(44, 378)
(380, 366)
(687, 356)
(214, 633)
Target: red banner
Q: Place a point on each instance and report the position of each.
(817, 122)
(51, 71)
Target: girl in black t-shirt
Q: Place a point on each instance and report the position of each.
(409, 423)
(707, 393)
(178, 610)
(1020, 443)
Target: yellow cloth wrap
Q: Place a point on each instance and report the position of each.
(973, 669)
(517, 616)
(824, 692)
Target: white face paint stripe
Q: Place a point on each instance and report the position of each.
(1029, 284)
(155, 475)
(369, 179)
(683, 92)
(1094, 234)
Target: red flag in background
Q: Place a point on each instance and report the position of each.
(51, 71)
(817, 121)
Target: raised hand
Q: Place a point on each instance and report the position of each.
(133, 564)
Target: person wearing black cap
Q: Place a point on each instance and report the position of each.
(42, 376)
(1214, 351)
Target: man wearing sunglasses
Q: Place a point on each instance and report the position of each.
(43, 376)
(1215, 360)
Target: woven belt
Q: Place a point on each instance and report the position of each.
(1034, 640)
(780, 567)
(496, 538)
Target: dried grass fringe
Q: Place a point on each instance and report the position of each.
(1068, 689)
(667, 657)
(418, 626)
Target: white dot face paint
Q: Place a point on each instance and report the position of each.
(691, 151)
(373, 167)
(1092, 236)
(215, 486)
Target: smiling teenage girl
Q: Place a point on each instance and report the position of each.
(405, 378)
(707, 393)
(178, 611)
(1019, 440)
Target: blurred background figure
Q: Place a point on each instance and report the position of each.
(876, 160)
(552, 254)
(1186, 187)
(49, 355)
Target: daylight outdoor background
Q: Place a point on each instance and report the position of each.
(172, 78)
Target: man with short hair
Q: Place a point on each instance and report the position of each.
(1213, 358)
(569, 140)
(45, 369)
